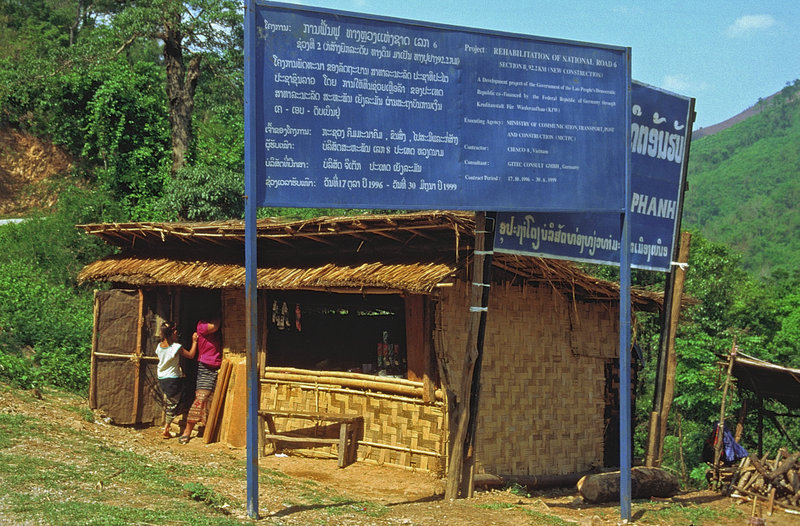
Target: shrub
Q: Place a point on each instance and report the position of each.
(49, 320)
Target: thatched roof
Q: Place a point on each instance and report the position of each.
(768, 380)
(406, 252)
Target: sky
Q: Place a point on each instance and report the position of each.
(727, 54)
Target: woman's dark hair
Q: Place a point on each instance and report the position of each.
(167, 328)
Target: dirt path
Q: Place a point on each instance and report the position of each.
(290, 486)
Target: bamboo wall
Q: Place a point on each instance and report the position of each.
(542, 382)
(398, 430)
(234, 336)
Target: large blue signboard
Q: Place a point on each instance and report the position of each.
(660, 122)
(361, 112)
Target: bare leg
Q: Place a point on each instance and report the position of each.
(187, 432)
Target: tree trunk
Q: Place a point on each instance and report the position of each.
(645, 482)
(181, 84)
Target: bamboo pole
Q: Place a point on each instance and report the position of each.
(721, 425)
(137, 359)
(344, 389)
(354, 380)
(131, 357)
(399, 448)
(93, 366)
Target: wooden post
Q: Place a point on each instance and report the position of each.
(137, 359)
(93, 366)
(484, 270)
(668, 359)
(760, 427)
(458, 403)
(721, 425)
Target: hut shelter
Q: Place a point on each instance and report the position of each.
(767, 381)
(362, 317)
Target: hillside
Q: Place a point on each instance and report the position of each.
(736, 119)
(25, 162)
(744, 186)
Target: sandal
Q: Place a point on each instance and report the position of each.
(183, 439)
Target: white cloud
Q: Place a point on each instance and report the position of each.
(675, 83)
(682, 85)
(749, 23)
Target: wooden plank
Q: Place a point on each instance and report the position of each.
(237, 425)
(215, 413)
(343, 432)
(308, 415)
(270, 423)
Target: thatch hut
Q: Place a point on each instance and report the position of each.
(360, 316)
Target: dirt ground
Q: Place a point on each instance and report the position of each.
(412, 498)
(26, 160)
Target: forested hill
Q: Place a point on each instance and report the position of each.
(744, 186)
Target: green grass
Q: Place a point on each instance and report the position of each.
(495, 506)
(335, 504)
(83, 412)
(72, 478)
(66, 476)
(655, 513)
(545, 519)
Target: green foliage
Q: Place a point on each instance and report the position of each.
(51, 244)
(785, 348)
(45, 320)
(518, 490)
(203, 194)
(744, 186)
(49, 320)
(127, 135)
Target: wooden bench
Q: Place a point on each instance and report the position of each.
(347, 440)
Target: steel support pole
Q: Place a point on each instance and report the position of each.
(625, 323)
(250, 253)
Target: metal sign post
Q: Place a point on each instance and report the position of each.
(250, 265)
(625, 441)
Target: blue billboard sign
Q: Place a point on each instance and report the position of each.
(362, 112)
(659, 149)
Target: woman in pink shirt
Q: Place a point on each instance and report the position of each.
(209, 358)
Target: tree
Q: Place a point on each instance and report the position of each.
(189, 31)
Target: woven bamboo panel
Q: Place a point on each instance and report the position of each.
(397, 430)
(233, 321)
(541, 401)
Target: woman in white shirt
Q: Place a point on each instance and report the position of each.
(170, 374)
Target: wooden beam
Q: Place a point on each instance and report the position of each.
(93, 366)
(137, 359)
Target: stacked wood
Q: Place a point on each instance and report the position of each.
(776, 480)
